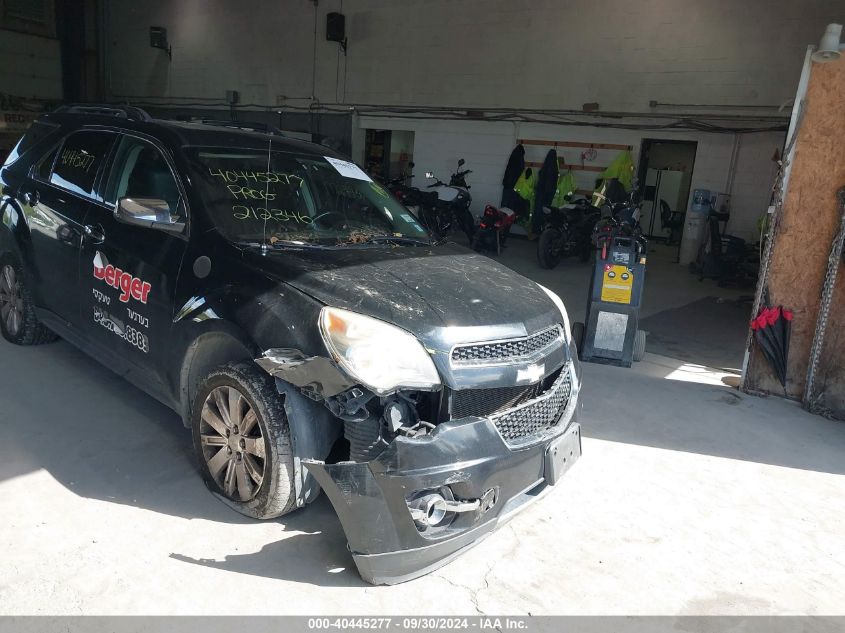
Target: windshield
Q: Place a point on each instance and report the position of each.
(273, 196)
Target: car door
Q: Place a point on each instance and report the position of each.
(129, 272)
(55, 199)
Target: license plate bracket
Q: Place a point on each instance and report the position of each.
(562, 454)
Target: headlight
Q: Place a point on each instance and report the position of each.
(567, 332)
(380, 356)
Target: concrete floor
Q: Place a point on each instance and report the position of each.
(691, 498)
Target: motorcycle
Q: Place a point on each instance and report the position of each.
(450, 208)
(493, 230)
(621, 218)
(567, 231)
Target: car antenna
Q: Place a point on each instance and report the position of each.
(266, 194)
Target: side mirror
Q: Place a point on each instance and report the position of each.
(152, 213)
(411, 165)
(461, 162)
(429, 174)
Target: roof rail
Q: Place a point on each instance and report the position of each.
(251, 126)
(106, 109)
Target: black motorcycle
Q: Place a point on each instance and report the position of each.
(567, 231)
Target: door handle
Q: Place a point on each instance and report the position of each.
(31, 198)
(94, 233)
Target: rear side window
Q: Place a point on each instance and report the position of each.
(36, 133)
(79, 160)
(45, 165)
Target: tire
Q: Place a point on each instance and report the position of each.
(639, 346)
(229, 448)
(546, 255)
(578, 334)
(18, 322)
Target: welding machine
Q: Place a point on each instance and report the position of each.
(609, 334)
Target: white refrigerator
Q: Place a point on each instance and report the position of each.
(660, 184)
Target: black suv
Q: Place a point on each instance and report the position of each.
(310, 332)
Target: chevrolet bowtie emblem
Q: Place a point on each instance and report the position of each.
(530, 374)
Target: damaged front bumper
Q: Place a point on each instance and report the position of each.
(378, 502)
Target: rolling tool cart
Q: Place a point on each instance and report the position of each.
(609, 334)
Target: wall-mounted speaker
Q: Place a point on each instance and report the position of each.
(335, 27)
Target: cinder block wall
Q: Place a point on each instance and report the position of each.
(474, 53)
(488, 54)
(30, 66)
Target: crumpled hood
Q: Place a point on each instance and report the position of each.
(421, 289)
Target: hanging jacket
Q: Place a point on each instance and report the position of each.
(565, 186)
(545, 190)
(515, 167)
(546, 181)
(621, 168)
(526, 184)
(615, 181)
(524, 189)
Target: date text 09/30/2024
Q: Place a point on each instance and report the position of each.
(411, 623)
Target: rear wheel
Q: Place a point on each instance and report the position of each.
(18, 322)
(242, 441)
(550, 248)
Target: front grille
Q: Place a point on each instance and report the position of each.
(512, 350)
(535, 416)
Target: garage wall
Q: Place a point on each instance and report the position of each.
(475, 53)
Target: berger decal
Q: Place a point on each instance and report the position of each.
(128, 285)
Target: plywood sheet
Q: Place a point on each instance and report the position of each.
(809, 223)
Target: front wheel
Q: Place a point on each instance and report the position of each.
(550, 248)
(242, 441)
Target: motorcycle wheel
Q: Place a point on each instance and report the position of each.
(549, 251)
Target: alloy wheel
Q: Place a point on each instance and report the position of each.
(232, 443)
(11, 303)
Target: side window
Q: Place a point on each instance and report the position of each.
(79, 159)
(141, 172)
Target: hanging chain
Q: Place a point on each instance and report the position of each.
(833, 261)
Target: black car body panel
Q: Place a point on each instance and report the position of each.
(163, 307)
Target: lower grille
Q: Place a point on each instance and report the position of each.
(484, 402)
(519, 424)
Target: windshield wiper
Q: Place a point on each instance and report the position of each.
(398, 239)
(282, 244)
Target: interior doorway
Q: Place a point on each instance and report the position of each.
(665, 176)
(388, 153)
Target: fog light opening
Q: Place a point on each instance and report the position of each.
(429, 510)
